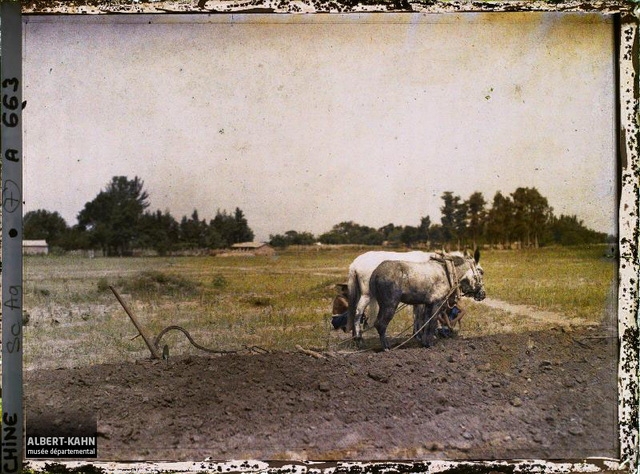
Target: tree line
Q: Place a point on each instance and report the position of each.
(117, 221)
(522, 219)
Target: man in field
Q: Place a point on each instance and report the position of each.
(340, 310)
(449, 317)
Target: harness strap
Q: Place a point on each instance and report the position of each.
(452, 275)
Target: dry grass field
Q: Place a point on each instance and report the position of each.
(277, 302)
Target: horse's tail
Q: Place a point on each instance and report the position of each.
(353, 284)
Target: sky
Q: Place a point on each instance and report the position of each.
(306, 121)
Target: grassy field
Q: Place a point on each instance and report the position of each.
(275, 303)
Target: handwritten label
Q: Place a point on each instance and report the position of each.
(10, 102)
(11, 196)
(10, 444)
(12, 155)
(14, 345)
(14, 302)
(15, 297)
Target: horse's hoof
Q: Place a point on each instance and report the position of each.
(428, 342)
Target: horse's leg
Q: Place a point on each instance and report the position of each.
(428, 334)
(418, 320)
(385, 314)
(370, 319)
(363, 302)
(431, 330)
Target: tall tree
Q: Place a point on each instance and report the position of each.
(391, 233)
(193, 231)
(112, 217)
(232, 229)
(224, 225)
(477, 216)
(460, 221)
(500, 220)
(241, 232)
(76, 238)
(531, 215)
(436, 236)
(454, 218)
(410, 235)
(159, 231)
(44, 225)
(447, 218)
(424, 228)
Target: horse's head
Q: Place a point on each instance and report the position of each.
(471, 282)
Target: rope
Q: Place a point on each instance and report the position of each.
(202, 348)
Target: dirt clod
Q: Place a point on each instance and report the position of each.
(516, 402)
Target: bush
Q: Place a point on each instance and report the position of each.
(103, 284)
(257, 301)
(158, 283)
(219, 282)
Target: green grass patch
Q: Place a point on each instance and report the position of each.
(578, 282)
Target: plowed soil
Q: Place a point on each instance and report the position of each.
(541, 395)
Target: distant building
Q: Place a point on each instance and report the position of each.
(253, 248)
(35, 247)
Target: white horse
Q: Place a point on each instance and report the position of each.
(360, 272)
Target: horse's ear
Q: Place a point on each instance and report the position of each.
(476, 255)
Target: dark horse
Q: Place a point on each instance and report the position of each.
(423, 283)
